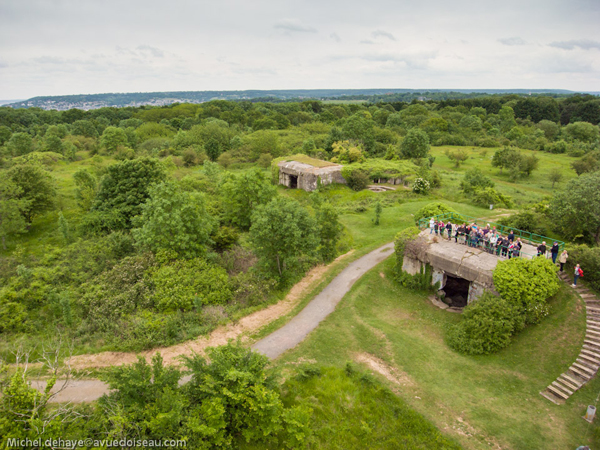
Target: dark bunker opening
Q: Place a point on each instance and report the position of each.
(457, 291)
(294, 181)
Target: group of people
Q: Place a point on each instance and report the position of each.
(490, 240)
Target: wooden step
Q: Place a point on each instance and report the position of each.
(572, 380)
(592, 366)
(553, 398)
(589, 359)
(593, 327)
(584, 368)
(589, 342)
(593, 333)
(592, 353)
(558, 392)
(562, 387)
(581, 376)
(586, 295)
(585, 377)
(592, 348)
(592, 309)
(563, 379)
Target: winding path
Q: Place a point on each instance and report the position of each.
(273, 345)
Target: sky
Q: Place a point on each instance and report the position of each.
(61, 47)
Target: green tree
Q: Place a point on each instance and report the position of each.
(555, 176)
(432, 209)
(174, 220)
(282, 231)
(330, 230)
(126, 186)
(112, 138)
(576, 210)
(458, 156)
(550, 129)
(63, 227)
(53, 143)
(86, 188)
(243, 193)
(12, 208)
(506, 157)
(20, 144)
(212, 149)
(236, 397)
(378, 210)
(5, 134)
(84, 128)
(527, 164)
(582, 131)
(589, 163)
(37, 189)
(415, 144)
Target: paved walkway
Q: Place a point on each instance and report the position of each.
(273, 345)
(321, 306)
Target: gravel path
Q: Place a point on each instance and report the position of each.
(273, 345)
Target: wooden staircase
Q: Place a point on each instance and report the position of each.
(588, 362)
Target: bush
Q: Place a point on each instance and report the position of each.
(527, 284)
(183, 285)
(487, 326)
(421, 186)
(432, 209)
(490, 196)
(357, 180)
(525, 220)
(475, 179)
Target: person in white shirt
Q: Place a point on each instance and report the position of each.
(431, 225)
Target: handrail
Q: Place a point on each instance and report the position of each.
(529, 237)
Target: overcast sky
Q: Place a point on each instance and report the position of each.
(58, 47)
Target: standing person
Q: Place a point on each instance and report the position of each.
(541, 250)
(441, 226)
(493, 242)
(511, 236)
(449, 229)
(431, 224)
(554, 252)
(563, 259)
(436, 226)
(578, 273)
(519, 247)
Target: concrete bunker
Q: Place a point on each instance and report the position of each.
(461, 273)
(308, 173)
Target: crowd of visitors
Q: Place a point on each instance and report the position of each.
(492, 241)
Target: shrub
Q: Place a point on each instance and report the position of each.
(432, 209)
(421, 186)
(525, 220)
(490, 196)
(183, 285)
(487, 326)
(527, 284)
(475, 179)
(357, 180)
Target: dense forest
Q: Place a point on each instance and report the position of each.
(138, 227)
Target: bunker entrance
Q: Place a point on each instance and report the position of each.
(457, 291)
(294, 181)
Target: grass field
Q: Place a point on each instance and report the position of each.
(531, 189)
(483, 402)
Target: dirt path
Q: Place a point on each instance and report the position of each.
(273, 345)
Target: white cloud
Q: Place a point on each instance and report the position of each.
(385, 34)
(512, 41)
(584, 44)
(294, 26)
